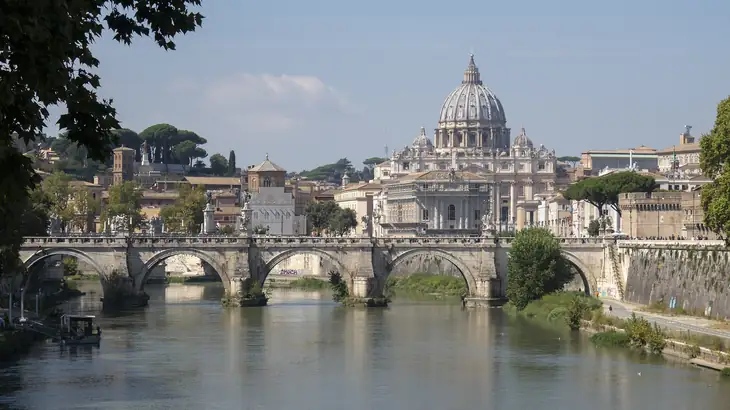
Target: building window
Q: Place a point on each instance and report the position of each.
(452, 213)
(541, 165)
(477, 214)
(424, 213)
(505, 165)
(406, 165)
(267, 182)
(400, 213)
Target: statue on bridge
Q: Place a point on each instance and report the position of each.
(54, 226)
(154, 226)
(487, 227)
(244, 221)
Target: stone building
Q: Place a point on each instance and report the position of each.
(472, 136)
(652, 215)
(683, 158)
(693, 225)
(434, 203)
(123, 166)
(272, 202)
(644, 158)
(359, 198)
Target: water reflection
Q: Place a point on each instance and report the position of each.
(305, 352)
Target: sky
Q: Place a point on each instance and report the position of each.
(311, 82)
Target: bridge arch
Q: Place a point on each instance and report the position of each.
(281, 257)
(42, 254)
(168, 253)
(581, 269)
(460, 266)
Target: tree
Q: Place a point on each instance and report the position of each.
(594, 228)
(57, 189)
(199, 164)
(46, 59)
(82, 207)
(606, 189)
(218, 164)
(187, 151)
(714, 154)
(572, 159)
(373, 161)
(320, 213)
(125, 200)
(342, 221)
(186, 214)
(130, 139)
(231, 163)
(535, 267)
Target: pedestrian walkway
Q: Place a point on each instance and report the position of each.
(624, 310)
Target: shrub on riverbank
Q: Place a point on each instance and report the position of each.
(309, 283)
(536, 267)
(424, 284)
(559, 307)
(340, 292)
(610, 338)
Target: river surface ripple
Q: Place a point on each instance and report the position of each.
(304, 352)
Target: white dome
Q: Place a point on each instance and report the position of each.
(422, 141)
(522, 140)
(472, 101)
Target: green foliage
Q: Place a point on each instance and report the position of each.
(218, 164)
(610, 338)
(125, 200)
(605, 190)
(535, 267)
(231, 163)
(594, 227)
(340, 292)
(171, 145)
(554, 307)
(559, 314)
(342, 221)
(714, 154)
(330, 217)
(186, 214)
(83, 206)
(332, 172)
(56, 187)
(226, 230)
(725, 372)
(309, 283)
(572, 159)
(424, 284)
(70, 266)
(261, 230)
(47, 60)
(577, 310)
(642, 334)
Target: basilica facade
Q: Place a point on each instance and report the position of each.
(471, 168)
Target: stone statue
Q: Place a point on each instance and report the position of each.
(54, 226)
(155, 225)
(487, 225)
(209, 197)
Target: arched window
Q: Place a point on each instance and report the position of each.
(452, 213)
(267, 182)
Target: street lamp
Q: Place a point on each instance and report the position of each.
(22, 304)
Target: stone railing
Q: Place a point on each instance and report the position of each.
(74, 241)
(672, 244)
(309, 240)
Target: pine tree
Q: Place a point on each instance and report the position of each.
(231, 163)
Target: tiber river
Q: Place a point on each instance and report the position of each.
(303, 352)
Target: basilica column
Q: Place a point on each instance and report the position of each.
(512, 202)
(497, 203)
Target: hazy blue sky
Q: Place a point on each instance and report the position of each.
(313, 81)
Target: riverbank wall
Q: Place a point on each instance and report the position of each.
(16, 342)
(693, 278)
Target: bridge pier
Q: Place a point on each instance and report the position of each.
(487, 293)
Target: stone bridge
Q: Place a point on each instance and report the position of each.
(366, 263)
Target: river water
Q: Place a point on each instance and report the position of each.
(304, 352)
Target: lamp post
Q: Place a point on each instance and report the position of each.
(22, 304)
